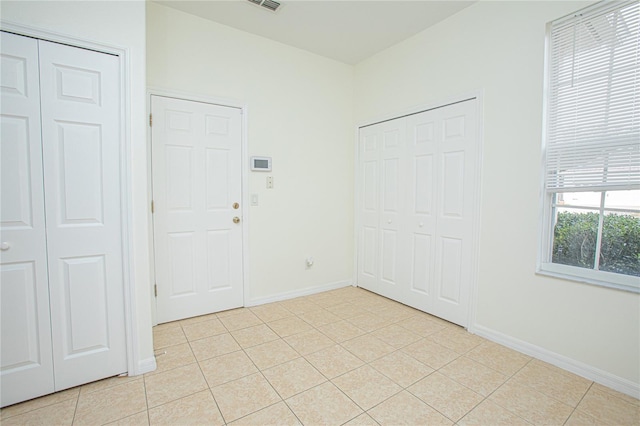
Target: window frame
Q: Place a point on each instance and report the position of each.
(544, 264)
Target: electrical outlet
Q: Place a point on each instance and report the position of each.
(269, 182)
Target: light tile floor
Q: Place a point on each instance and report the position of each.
(341, 357)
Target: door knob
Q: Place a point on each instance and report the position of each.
(5, 246)
(236, 206)
(236, 219)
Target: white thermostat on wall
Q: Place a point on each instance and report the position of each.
(261, 164)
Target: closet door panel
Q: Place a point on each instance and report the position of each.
(81, 148)
(26, 359)
(368, 206)
(393, 250)
(457, 164)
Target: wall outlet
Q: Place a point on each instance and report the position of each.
(269, 182)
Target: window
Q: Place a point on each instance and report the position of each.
(591, 219)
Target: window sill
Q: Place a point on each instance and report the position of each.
(599, 278)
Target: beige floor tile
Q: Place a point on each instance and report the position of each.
(448, 397)
(368, 321)
(244, 396)
(401, 368)
(346, 310)
(499, 358)
(44, 401)
(341, 331)
(457, 339)
(243, 319)
(553, 382)
(107, 383)
(396, 336)
(173, 357)
(293, 377)
(368, 348)
(362, 420)
(271, 354)
(578, 418)
(309, 341)
(214, 346)
(253, 336)
(612, 392)
(323, 405)
(300, 306)
(194, 320)
(320, 317)
(196, 409)
(430, 353)
(60, 413)
(421, 325)
(395, 313)
(474, 375)
(609, 409)
(289, 326)
(111, 404)
(271, 312)
(276, 414)
(230, 312)
(202, 329)
(406, 409)
(164, 335)
(488, 413)
(138, 419)
(366, 386)
(174, 384)
(226, 368)
(531, 405)
(334, 361)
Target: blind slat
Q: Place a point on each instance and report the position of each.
(593, 123)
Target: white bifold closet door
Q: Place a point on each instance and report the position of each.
(61, 261)
(416, 209)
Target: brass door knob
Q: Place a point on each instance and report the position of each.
(236, 219)
(236, 206)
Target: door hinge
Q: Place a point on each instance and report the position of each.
(155, 290)
(153, 208)
(150, 120)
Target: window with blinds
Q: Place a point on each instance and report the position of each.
(592, 146)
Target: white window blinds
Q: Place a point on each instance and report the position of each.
(593, 111)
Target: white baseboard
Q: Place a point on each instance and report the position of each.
(297, 293)
(581, 369)
(145, 366)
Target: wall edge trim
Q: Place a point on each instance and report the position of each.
(582, 369)
(298, 293)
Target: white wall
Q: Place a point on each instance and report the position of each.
(122, 25)
(300, 114)
(499, 47)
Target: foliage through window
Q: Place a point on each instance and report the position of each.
(591, 225)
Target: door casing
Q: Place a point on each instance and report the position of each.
(135, 365)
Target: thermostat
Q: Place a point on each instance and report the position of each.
(261, 164)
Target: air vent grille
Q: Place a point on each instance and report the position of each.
(267, 4)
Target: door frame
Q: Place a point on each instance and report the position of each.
(478, 95)
(135, 365)
(244, 181)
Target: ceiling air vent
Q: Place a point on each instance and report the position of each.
(267, 4)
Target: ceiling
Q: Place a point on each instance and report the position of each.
(345, 30)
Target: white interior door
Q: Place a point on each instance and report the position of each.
(417, 197)
(443, 159)
(26, 357)
(81, 149)
(197, 189)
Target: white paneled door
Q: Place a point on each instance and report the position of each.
(197, 196)
(417, 198)
(26, 354)
(61, 233)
